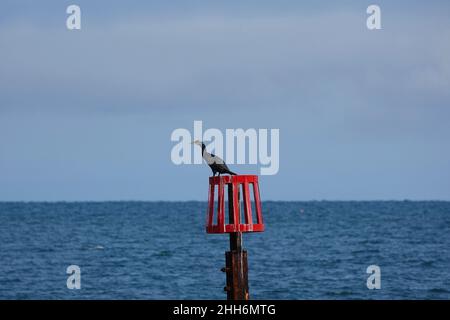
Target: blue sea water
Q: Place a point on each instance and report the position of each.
(159, 250)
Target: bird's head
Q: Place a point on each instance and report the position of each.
(197, 142)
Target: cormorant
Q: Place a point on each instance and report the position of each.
(216, 164)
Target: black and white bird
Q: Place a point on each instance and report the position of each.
(216, 164)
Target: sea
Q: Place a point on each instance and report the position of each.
(160, 250)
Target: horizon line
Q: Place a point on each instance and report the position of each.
(173, 201)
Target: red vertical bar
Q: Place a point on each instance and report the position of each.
(257, 202)
(210, 215)
(221, 207)
(236, 207)
(247, 205)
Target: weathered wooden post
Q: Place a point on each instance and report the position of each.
(236, 266)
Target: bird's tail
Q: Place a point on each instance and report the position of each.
(232, 173)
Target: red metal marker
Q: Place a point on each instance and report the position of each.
(236, 259)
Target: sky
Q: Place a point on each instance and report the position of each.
(87, 115)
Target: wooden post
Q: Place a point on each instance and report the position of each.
(236, 259)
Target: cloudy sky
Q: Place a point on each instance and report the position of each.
(88, 114)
